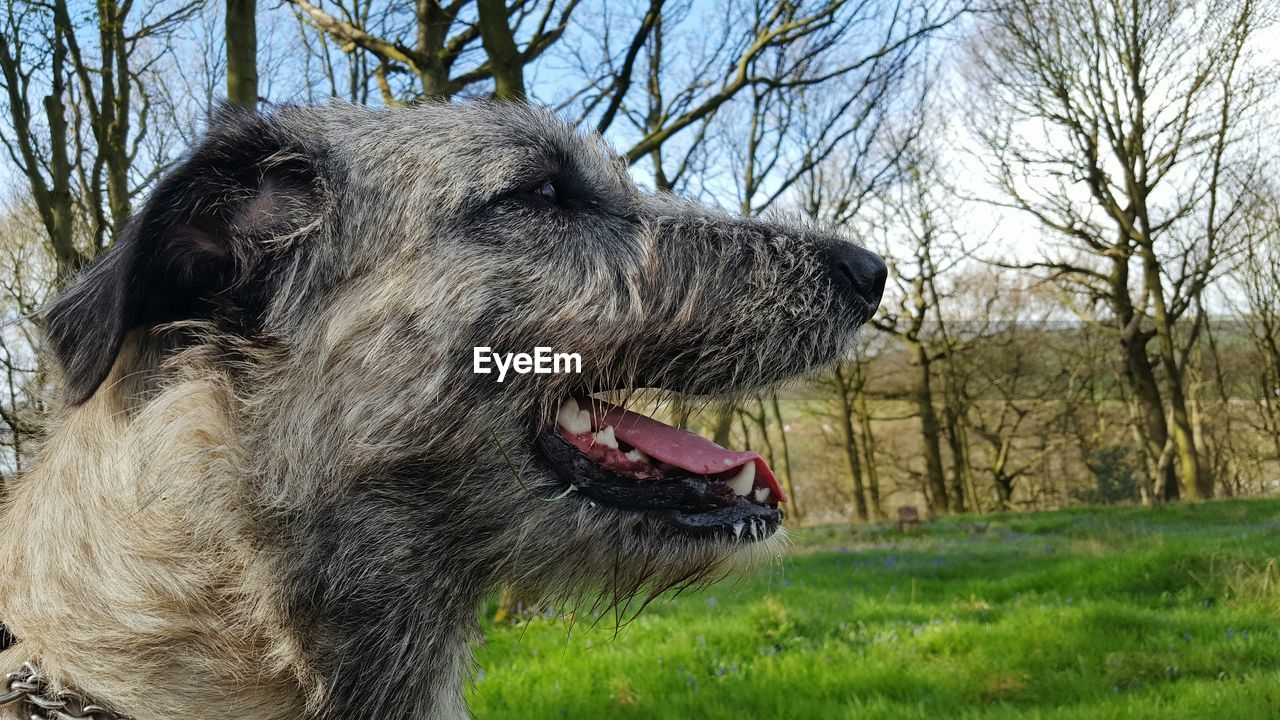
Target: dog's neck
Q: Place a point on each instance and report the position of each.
(131, 569)
(127, 564)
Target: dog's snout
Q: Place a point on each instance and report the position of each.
(857, 273)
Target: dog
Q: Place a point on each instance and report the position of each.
(277, 488)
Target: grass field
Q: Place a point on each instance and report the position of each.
(1084, 614)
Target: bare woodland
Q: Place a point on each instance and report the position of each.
(1078, 200)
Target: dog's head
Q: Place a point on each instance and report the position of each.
(341, 266)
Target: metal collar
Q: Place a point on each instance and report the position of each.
(28, 690)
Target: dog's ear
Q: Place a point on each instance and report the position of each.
(201, 246)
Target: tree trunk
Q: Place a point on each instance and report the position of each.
(961, 497)
(1195, 480)
(500, 45)
(852, 459)
(106, 93)
(724, 426)
(52, 198)
(242, 53)
(930, 433)
(1004, 491)
(999, 474)
(788, 481)
(1155, 427)
(875, 508)
(762, 424)
(1154, 430)
(1198, 483)
(114, 113)
(58, 209)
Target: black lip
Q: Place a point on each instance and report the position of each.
(696, 504)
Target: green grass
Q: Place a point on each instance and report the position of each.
(1090, 614)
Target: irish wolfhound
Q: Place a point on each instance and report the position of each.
(278, 489)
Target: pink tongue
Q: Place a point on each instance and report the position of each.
(683, 449)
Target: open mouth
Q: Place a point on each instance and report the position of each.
(629, 461)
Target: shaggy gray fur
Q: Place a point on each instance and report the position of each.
(340, 263)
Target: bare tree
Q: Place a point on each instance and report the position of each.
(779, 50)
(860, 378)
(849, 388)
(27, 271)
(80, 115)
(1009, 388)
(446, 48)
(1259, 280)
(33, 60)
(1123, 128)
(921, 247)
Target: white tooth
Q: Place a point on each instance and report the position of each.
(605, 437)
(637, 456)
(573, 420)
(762, 494)
(737, 530)
(568, 409)
(742, 482)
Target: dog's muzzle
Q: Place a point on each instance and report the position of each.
(632, 462)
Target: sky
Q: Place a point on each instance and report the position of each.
(1006, 233)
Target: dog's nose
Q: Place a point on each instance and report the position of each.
(857, 273)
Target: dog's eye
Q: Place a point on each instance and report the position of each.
(547, 192)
